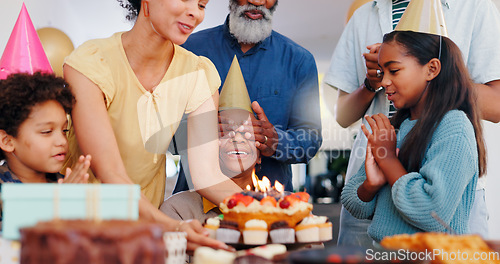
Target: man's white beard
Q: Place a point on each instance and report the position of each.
(246, 30)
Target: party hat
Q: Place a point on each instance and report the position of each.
(424, 16)
(24, 51)
(234, 94)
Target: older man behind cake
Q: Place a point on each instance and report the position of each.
(238, 154)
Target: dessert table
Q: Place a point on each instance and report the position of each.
(10, 250)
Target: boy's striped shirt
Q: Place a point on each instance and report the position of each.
(398, 8)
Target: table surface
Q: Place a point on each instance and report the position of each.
(10, 250)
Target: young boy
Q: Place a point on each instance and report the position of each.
(33, 127)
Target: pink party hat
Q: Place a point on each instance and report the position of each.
(24, 51)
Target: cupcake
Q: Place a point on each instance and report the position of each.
(270, 251)
(228, 232)
(206, 255)
(282, 233)
(255, 232)
(267, 254)
(308, 230)
(211, 225)
(325, 229)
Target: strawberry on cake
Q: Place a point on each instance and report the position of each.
(270, 206)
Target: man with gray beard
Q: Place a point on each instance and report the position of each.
(282, 81)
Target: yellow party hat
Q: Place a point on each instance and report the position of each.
(424, 16)
(234, 94)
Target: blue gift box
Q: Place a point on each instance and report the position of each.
(28, 203)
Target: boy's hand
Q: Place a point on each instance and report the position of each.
(79, 172)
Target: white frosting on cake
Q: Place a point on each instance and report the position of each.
(206, 255)
(314, 220)
(255, 223)
(214, 221)
(267, 251)
(300, 206)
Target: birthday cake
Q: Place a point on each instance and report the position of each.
(271, 206)
(87, 241)
(269, 215)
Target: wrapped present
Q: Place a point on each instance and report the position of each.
(26, 204)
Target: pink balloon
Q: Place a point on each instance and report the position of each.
(24, 51)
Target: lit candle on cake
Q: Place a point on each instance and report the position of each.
(263, 188)
(265, 202)
(279, 187)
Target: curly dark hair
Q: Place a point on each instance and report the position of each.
(20, 92)
(133, 7)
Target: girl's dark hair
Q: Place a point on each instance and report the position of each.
(133, 7)
(451, 89)
(20, 92)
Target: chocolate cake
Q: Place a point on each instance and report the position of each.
(97, 242)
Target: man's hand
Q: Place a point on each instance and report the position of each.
(373, 73)
(266, 137)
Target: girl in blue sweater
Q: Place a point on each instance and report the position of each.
(428, 157)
